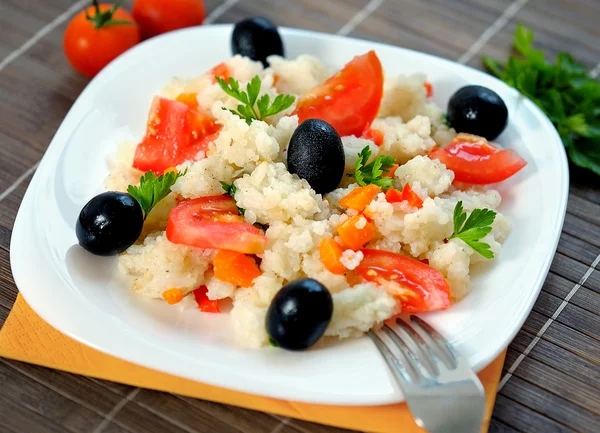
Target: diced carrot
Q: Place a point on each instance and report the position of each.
(235, 268)
(359, 198)
(428, 89)
(331, 253)
(221, 71)
(355, 237)
(173, 296)
(204, 304)
(189, 99)
(411, 197)
(170, 169)
(275, 80)
(375, 135)
(393, 195)
(391, 172)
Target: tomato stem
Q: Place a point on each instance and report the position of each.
(104, 19)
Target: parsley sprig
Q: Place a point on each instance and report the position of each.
(563, 90)
(230, 189)
(372, 173)
(473, 229)
(153, 189)
(251, 102)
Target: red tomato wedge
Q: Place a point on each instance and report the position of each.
(204, 304)
(202, 223)
(474, 160)
(174, 133)
(419, 287)
(350, 99)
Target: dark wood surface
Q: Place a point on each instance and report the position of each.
(551, 378)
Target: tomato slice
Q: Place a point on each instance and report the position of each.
(204, 223)
(474, 160)
(350, 99)
(204, 304)
(419, 287)
(174, 133)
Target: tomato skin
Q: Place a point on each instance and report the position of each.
(89, 49)
(195, 223)
(475, 161)
(174, 133)
(160, 16)
(350, 99)
(204, 304)
(422, 287)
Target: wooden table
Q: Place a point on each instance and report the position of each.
(551, 380)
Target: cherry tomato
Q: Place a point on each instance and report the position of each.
(349, 100)
(419, 287)
(97, 35)
(197, 224)
(474, 160)
(160, 16)
(175, 133)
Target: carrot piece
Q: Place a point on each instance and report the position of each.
(355, 232)
(375, 135)
(411, 197)
(428, 89)
(189, 99)
(391, 172)
(359, 198)
(221, 71)
(204, 304)
(331, 253)
(393, 195)
(235, 268)
(173, 296)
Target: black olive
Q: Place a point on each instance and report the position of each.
(299, 314)
(109, 223)
(477, 110)
(256, 38)
(316, 153)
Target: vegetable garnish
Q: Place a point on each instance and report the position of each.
(250, 98)
(372, 173)
(231, 190)
(105, 18)
(564, 91)
(473, 229)
(153, 189)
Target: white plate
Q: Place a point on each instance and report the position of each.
(82, 296)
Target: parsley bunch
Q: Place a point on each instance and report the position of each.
(251, 102)
(473, 229)
(153, 189)
(372, 173)
(564, 91)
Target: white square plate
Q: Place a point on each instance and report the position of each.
(83, 297)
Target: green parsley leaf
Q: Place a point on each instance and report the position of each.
(471, 230)
(153, 189)
(250, 99)
(372, 173)
(563, 90)
(231, 190)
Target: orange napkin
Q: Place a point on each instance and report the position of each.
(26, 337)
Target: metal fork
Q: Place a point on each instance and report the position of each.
(442, 392)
